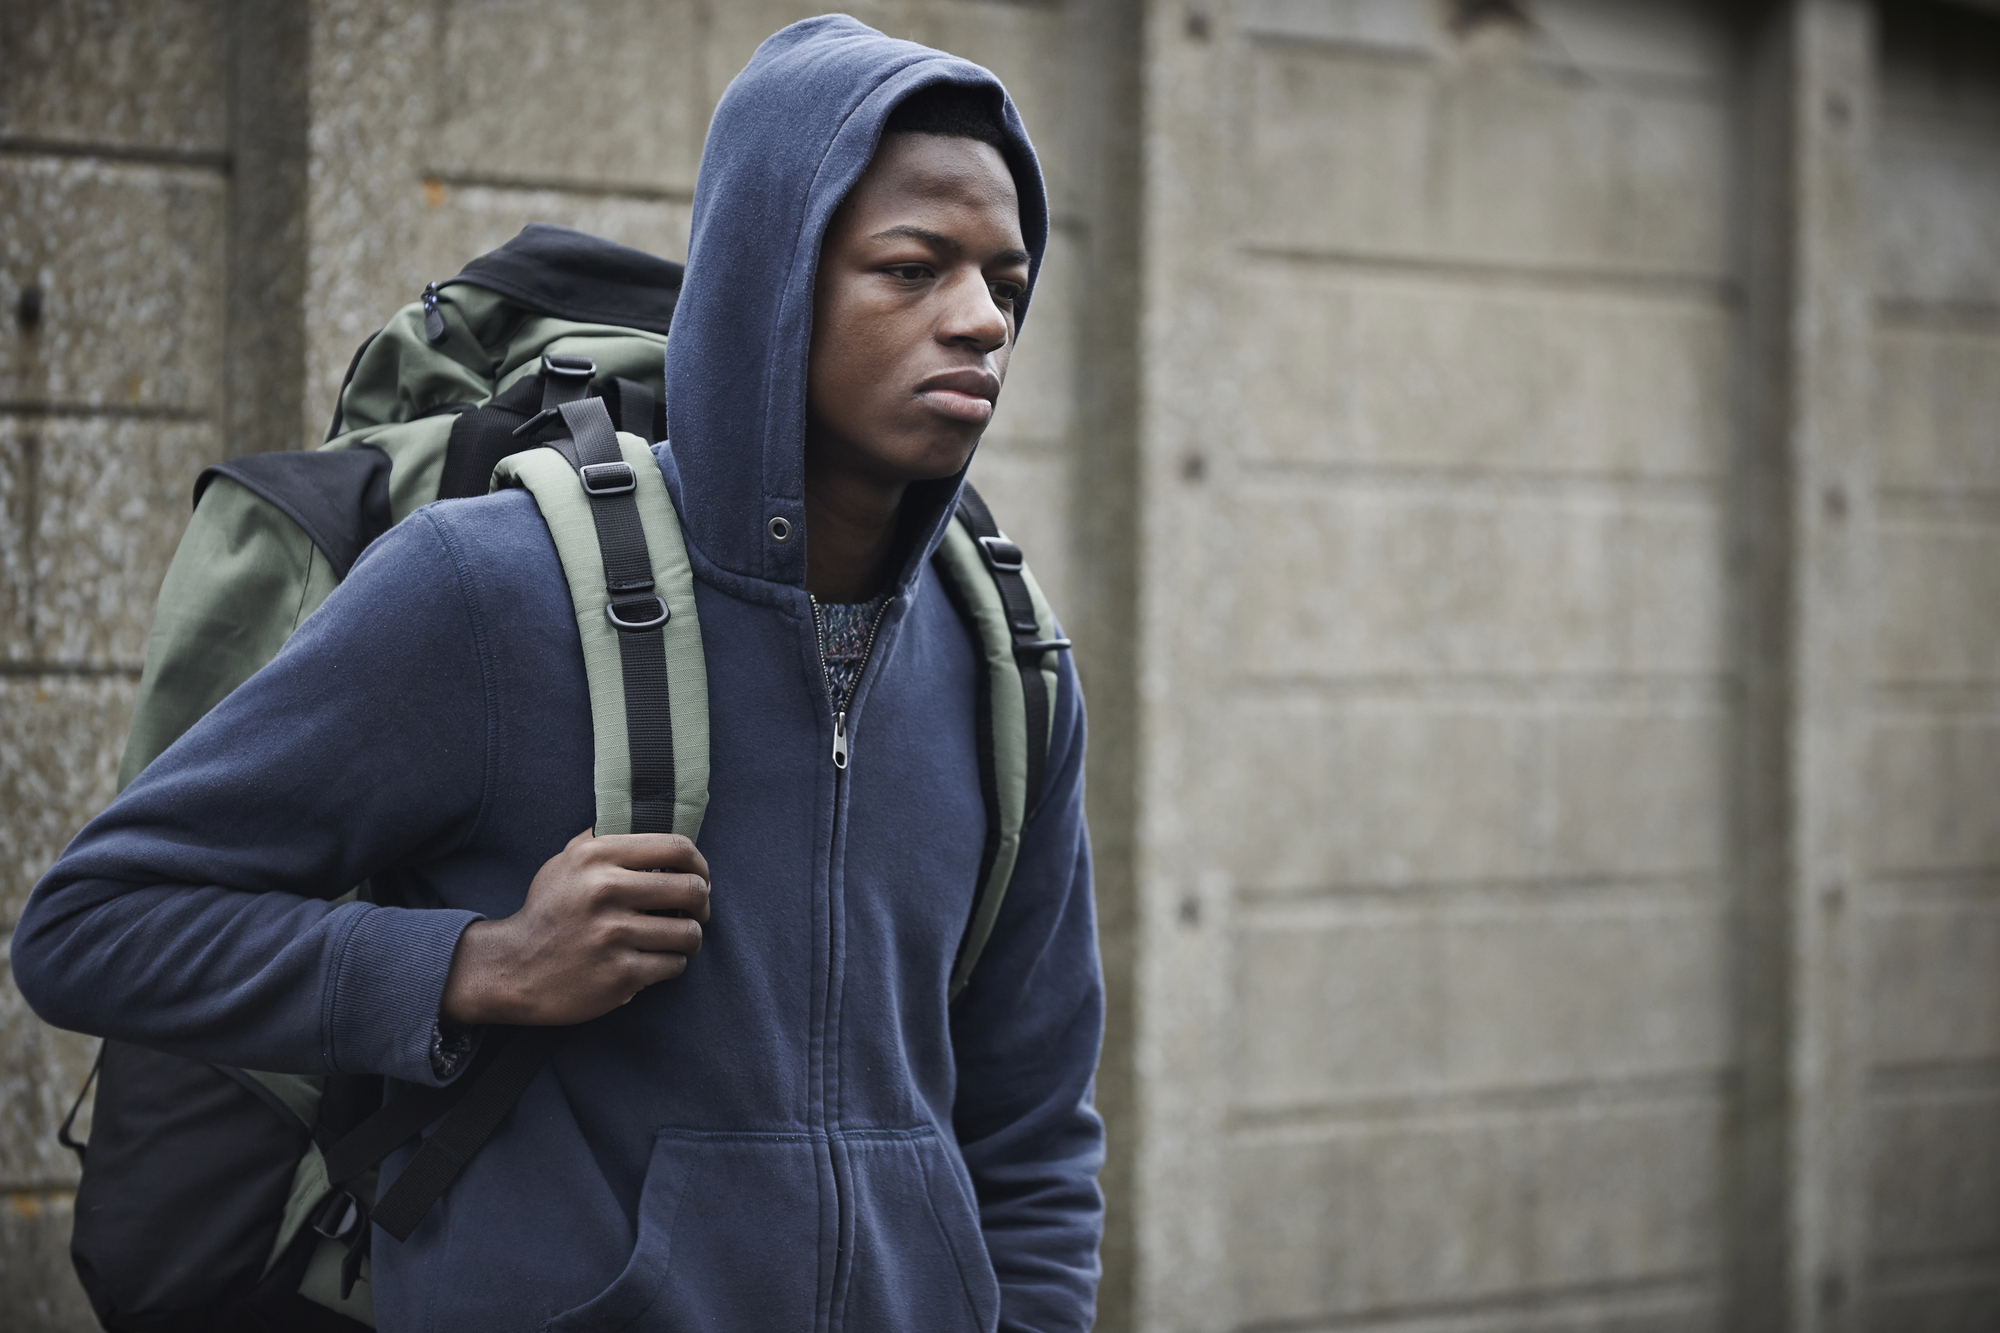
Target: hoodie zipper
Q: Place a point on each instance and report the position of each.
(840, 710)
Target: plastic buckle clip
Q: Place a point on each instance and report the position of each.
(1002, 554)
(638, 626)
(607, 478)
(569, 367)
(339, 1217)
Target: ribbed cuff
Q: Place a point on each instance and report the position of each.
(387, 989)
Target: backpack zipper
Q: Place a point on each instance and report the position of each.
(867, 650)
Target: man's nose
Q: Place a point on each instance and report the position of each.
(971, 314)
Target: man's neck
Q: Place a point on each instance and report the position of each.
(850, 534)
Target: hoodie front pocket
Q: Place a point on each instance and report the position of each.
(920, 1261)
(728, 1238)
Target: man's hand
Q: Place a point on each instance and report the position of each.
(583, 943)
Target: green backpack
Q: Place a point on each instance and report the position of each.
(213, 1196)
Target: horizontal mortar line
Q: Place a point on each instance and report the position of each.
(1705, 692)
(468, 180)
(1285, 41)
(1690, 887)
(1704, 287)
(1943, 1270)
(1963, 701)
(1458, 478)
(192, 158)
(1927, 1080)
(125, 411)
(1914, 313)
(1697, 1284)
(1423, 1109)
(1919, 887)
(84, 670)
(1912, 506)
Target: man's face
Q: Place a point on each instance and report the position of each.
(913, 311)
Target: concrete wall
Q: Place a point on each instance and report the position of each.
(1931, 910)
(1525, 492)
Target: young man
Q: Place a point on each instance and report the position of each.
(765, 1115)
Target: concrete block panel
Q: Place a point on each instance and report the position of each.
(41, 1071)
(130, 265)
(1934, 1173)
(110, 497)
(59, 757)
(1938, 408)
(1338, 366)
(1959, 1307)
(1312, 795)
(1397, 579)
(1940, 602)
(38, 1288)
(1326, 1225)
(459, 223)
(1691, 43)
(1039, 400)
(1403, 26)
(1483, 161)
(1928, 777)
(144, 74)
(1933, 981)
(1029, 492)
(617, 92)
(1940, 192)
(1352, 1002)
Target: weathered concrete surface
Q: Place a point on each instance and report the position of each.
(1389, 433)
(1932, 924)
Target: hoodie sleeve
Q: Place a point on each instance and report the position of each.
(1026, 1032)
(191, 916)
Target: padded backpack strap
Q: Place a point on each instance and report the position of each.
(619, 539)
(987, 579)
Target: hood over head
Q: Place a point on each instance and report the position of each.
(792, 134)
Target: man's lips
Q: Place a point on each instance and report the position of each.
(963, 395)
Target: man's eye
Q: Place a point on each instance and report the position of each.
(1006, 293)
(909, 272)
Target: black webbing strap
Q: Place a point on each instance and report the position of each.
(565, 379)
(1005, 563)
(401, 1120)
(636, 610)
(463, 1132)
(635, 409)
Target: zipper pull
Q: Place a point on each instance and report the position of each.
(434, 329)
(840, 739)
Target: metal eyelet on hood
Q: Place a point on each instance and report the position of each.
(781, 529)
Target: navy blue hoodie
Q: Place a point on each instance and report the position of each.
(800, 1132)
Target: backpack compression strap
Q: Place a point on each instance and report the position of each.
(619, 540)
(987, 579)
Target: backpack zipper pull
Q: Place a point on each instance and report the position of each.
(434, 329)
(840, 739)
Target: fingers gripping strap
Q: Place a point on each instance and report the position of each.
(681, 775)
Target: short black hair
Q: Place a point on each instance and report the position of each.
(953, 110)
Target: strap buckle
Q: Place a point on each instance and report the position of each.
(607, 478)
(569, 367)
(339, 1217)
(1002, 554)
(637, 626)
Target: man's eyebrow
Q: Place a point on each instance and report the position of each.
(939, 241)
